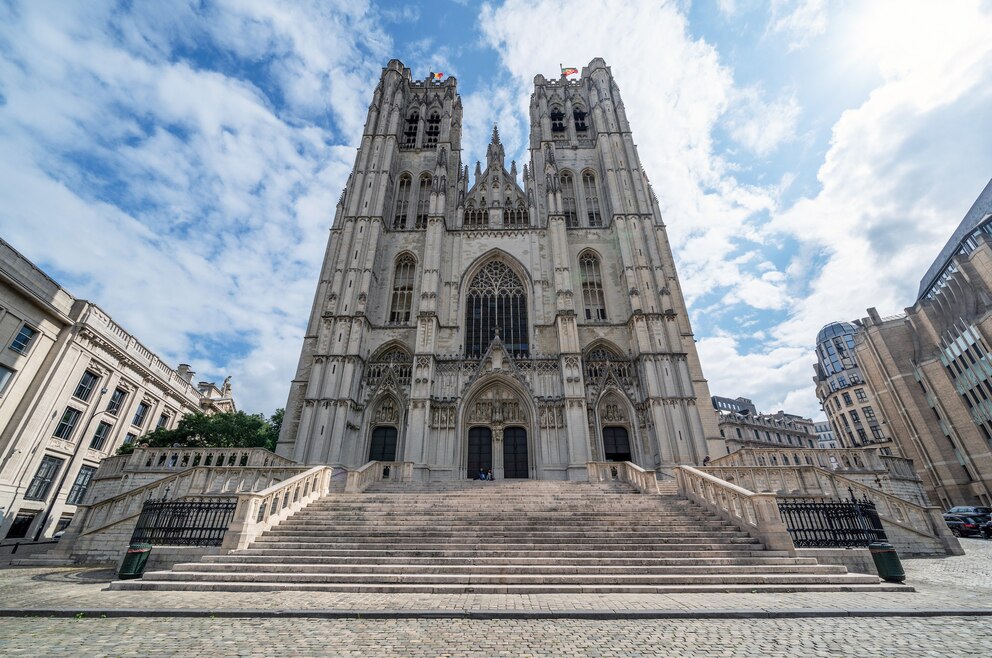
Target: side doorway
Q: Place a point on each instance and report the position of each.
(616, 444)
(383, 444)
(480, 451)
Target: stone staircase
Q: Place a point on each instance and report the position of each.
(507, 537)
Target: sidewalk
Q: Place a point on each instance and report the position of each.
(959, 585)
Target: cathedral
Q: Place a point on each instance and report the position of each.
(520, 320)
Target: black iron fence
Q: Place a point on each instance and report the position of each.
(840, 523)
(183, 522)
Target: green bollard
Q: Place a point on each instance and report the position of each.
(887, 562)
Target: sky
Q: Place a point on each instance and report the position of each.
(178, 163)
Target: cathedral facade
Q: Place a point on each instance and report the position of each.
(524, 321)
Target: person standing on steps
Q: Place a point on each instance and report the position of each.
(489, 475)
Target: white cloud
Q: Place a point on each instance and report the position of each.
(760, 125)
(799, 21)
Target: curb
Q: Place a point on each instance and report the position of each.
(797, 613)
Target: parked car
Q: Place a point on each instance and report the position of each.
(983, 513)
(963, 526)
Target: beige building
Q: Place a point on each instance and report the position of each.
(525, 320)
(741, 426)
(74, 386)
(931, 368)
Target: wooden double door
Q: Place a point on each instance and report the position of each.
(480, 452)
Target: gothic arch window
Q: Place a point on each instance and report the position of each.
(476, 216)
(433, 132)
(410, 129)
(402, 201)
(516, 216)
(496, 301)
(423, 201)
(393, 360)
(579, 117)
(592, 287)
(557, 122)
(601, 361)
(568, 200)
(402, 302)
(591, 193)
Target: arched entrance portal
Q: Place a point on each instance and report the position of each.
(383, 444)
(515, 464)
(480, 451)
(616, 444)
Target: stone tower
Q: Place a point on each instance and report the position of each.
(528, 322)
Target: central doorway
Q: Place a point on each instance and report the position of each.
(515, 453)
(480, 451)
(383, 446)
(616, 444)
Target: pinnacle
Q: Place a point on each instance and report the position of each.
(495, 139)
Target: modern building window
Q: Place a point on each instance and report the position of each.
(876, 432)
(81, 484)
(433, 132)
(42, 480)
(6, 374)
(591, 194)
(869, 412)
(163, 420)
(402, 201)
(100, 436)
(855, 417)
(116, 401)
(130, 438)
(67, 425)
(860, 394)
(85, 387)
(402, 302)
(139, 415)
(862, 435)
(423, 201)
(847, 399)
(496, 302)
(23, 339)
(592, 287)
(568, 200)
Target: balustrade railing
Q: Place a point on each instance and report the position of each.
(378, 471)
(643, 480)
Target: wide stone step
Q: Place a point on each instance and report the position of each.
(478, 533)
(487, 552)
(436, 560)
(674, 547)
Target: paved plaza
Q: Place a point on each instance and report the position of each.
(77, 616)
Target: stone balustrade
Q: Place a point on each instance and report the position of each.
(378, 471)
(836, 459)
(259, 511)
(644, 481)
(755, 513)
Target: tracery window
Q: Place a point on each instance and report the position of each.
(579, 116)
(568, 200)
(601, 361)
(402, 302)
(423, 201)
(410, 131)
(516, 216)
(395, 361)
(557, 122)
(592, 287)
(496, 301)
(476, 216)
(592, 199)
(433, 131)
(402, 201)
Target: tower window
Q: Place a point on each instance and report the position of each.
(402, 301)
(592, 287)
(433, 132)
(402, 202)
(579, 116)
(568, 200)
(496, 302)
(557, 122)
(423, 201)
(410, 131)
(592, 199)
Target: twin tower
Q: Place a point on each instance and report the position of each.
(526, 321)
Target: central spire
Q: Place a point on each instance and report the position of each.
(495, 154)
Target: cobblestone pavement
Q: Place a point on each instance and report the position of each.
(946, 636)
(955, 583)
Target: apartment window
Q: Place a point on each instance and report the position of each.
(100, 436)
(855, 417)
(68, 423)
(739, 433)
(23, 340)
(85, 387)
(163, 420)
(860, 394)
(862, 435)
(42, 480)
(6, 374)
(81, 484)
(116, 401)
(869, 413)
(130, 438)
(847, 399)
(876, 432)
(139, 415)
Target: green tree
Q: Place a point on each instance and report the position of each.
(227, 430)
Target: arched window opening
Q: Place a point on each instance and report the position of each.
(579, 116)
(402, 201)
(423, 201)
(557, 123)
(601, 361)
(402, 302)
(568, 200)
(516, 216)
(496, 302)
(395, 361)
(592, 287)
(476, 217)
(410, 131)
(433, 132)
(592, 199)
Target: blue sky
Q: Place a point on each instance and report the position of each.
(178, 163)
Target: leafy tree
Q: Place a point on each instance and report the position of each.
(227, 430)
